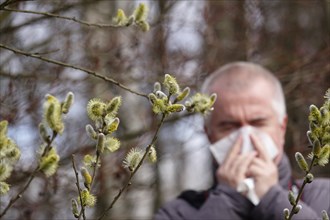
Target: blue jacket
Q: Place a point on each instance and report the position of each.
(223, 202)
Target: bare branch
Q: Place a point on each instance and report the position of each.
(128, 183)
(63, 17)
(90, 72)
(78, 187)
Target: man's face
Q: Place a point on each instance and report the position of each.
(251, 106)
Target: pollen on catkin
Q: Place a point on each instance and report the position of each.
(121, 19)
(4, 188)
(111, 144)
(152, 155)
(90, 161)
(132, 159)
(53, 114)
(171, 84)
(141, 12)
(48, 163)
(201, 103)
(87, 198)
(95, 109)
(324, 155)
(112, 125)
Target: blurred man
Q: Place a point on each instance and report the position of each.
(251, 182)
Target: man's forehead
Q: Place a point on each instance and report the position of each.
(240, 85)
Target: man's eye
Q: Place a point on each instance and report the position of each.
(227, 127)
(258, 123)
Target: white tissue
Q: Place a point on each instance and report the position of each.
(221, 148)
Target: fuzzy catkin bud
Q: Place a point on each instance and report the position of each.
(74, 206)
(113, 125)
(175, 108)
(157, 87)
(297, 209)
(53, 114)
(143, 25)
(291, 198)
(301, 161)
(326, 136)
(311, 137)
(133, 159)
(3, 128)
(141, 12)
(121, 18)
(213, 98)
(100, 143)
(4, 188)
(314, 114)
(324, 213)
(152, 154)
(87, 177)
(95, 109)
(49, 163)
(161, 95)
(324, 155)
(113, 106)
(309, 178)
(91, 132)
(87, 198)
(171, 84)
(182, 95)
(316, 148)
(286, 213)
(67, 103)
(112, 144)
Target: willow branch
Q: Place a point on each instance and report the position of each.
(33, 174)
(128, 183)
(82, 212)
(88, 71)
(94, 170)
(301, 190)
(62, 17)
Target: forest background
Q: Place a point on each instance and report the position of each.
(188, 39)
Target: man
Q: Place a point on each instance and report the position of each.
(248, 96)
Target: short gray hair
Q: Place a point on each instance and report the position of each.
(250, 70)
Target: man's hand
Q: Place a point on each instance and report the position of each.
(262, 169)
(234, 168)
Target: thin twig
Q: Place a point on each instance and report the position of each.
(128, 183)
(94, 170)
(33, 174)
(301, 190)
(82, 212)
(63, 17)
(90, 72)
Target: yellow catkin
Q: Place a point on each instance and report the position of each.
(301, 161)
